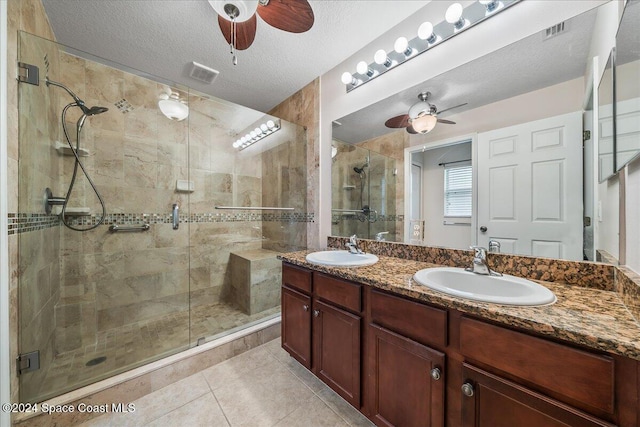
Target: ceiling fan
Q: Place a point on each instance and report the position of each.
(422, 116)
(237, 19)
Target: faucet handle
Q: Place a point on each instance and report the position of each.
(480, 252)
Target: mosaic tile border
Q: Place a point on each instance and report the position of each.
(25, 222)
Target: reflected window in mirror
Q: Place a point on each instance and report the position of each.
(627, 86)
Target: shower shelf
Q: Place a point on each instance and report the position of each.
(64, 150)
(80, 211)
(349, 187)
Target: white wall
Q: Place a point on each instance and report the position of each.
(547, 102)
(435, 232)
(515, 23)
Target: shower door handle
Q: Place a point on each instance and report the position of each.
(175, 217)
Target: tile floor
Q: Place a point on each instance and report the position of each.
(137, 344)
(262, 387)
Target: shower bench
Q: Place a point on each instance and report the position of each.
(256, 277)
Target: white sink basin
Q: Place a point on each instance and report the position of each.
(341, 259)
(508, 290)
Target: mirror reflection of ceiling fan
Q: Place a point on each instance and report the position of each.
(422, 116)
(237, 19)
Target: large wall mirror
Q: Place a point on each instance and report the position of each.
(514, 155)
(627, 72)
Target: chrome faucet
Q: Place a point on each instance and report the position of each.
(352, 245)
(494, 246)
(380, 236)
(480, 265)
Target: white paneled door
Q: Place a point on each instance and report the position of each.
(530, 187)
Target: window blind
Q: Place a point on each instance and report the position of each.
(458, 191)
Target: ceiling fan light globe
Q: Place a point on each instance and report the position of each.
(246, 8)
(424, 124)
(173, 109)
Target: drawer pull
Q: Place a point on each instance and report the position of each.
(316, 313)
(305, 307)
(467, 389)
(436, 374)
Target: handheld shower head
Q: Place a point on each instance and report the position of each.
(79, 102)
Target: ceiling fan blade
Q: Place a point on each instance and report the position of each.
(446, 122)
(401, 121)
(451, 108)
(411, 130)
(294, 16)
(245, 31)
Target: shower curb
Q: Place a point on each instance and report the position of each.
(136, 383)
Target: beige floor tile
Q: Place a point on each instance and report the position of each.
(262, 397)
(314, 413)
(342, 408)
(221, 374)
(204, 411)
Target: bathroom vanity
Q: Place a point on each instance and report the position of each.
(405, 355)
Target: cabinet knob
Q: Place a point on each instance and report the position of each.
(305, 307)
(467, 389)
(316, 313)
(436, 374)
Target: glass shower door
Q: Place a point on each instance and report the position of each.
(98, 302)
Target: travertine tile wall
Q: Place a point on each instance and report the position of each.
(35, 263)
(303, 109)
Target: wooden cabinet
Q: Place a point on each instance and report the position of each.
(407, 381)
(492, 401)
(296, 325)
(419, 365)
(336, 349)
(321, 328)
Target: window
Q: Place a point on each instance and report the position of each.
(457, 191)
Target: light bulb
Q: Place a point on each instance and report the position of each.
(425, 32)
(362, 67)
(257, 131)
(347, 78)
(453, 15)
(263, 127)
(401, 44)
(252, 134)
(248, 137)
(381, 58)
(271, 124)
(243, 139)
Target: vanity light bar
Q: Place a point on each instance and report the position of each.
(457, 20)
(262, 131)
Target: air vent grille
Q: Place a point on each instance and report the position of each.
(203, 73)
(555, 30)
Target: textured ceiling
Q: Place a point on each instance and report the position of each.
(524, 66)
(162, 38)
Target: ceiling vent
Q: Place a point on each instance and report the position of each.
(555, 30)
(203, 73)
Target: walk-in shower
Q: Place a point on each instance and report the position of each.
(102, 301)
(49, 198)
(363, 196)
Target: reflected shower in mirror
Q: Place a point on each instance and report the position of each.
(627, 73)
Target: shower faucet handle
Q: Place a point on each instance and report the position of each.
(175, 216)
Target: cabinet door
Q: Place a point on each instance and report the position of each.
(492, 401)
(336, 339)
(296, 325)
(403, 391)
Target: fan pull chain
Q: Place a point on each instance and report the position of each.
(234, 38)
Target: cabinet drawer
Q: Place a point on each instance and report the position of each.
(421, 323)
(296, 277)
(340, 292)
(575, 376)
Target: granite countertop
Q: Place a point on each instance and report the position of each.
(590, 317)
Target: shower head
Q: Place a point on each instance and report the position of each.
(79, 102)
